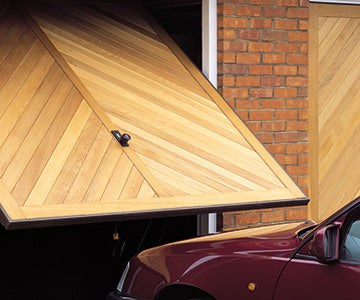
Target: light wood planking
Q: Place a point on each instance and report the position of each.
(76, 72)
(28, 117)
(108, 83)
(335, 106)
(52, 139)
(147, 204)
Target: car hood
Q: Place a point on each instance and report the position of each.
(200, 260)
(278, 240)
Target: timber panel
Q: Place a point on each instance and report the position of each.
(149, 94)
(53, 147)
(336, 71)
(70, 74)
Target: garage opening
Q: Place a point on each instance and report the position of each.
(64, 156)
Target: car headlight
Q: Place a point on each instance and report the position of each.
(123, 276)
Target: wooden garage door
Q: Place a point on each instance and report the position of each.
(70, 74)
(335, 106)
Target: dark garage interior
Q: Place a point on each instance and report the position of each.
(80, 261)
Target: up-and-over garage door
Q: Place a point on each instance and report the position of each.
(72, 74)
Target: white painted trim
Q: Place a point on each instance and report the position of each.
(209, 40)
(207, 223)
(337, 1)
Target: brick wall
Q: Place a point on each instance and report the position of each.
(263, 74)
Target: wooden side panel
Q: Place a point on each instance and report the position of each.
(147, 92)
(338, 105)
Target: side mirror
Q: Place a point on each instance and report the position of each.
(325, 244)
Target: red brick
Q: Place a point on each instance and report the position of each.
(248, 104)
(254, 127)
(297, 103)
(305, 190)
(265, 138)
(247, 219)
(261, 23)
(226, 9)
(303, 70)
(260, 70)
(226, 81)
(303, 25)
(248, 81)
(276, 149)
(248, 58)
(228, 221)
(297, 170)
(231, 69)
(286, 48)
(233, 1)
(273, 81)
(274, 35)
(261, 115)
(286, 2)
(248, 34)
(300, 59)
(298, 13)
(305, 3)
(260, 93)
(273, 126)
(260, 47)
(226, 57)
(231, 103)
(286, 137)
(298, 36)
(286, 159)
(292, 215)
(262, 210)
(303, 181)
(297, 126)
(304, 48)
(297, 148)
(233, 22)
(272, 104)
(244, 115)
(235, 93)
(285, 92)
(274, 12)
(285, 70)
(288, 208)
(226, 34)
(232, 46)
(273, 58)
(286, 24)
(303, 159)
(286, 115)
(249, 11)
(271, 217)
(302, 92)
(261, 2)
(303, 115)
(296, 81)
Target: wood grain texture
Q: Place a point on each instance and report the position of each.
(146, 91)
(72, 73)
(53, 144)
(147, 204)
(335, 98)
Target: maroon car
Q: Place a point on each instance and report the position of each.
(281, 262)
